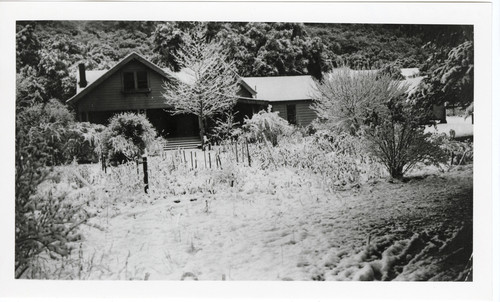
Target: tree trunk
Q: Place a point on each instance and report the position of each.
(202, 130)
(397, 172)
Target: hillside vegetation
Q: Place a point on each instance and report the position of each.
(49, 51)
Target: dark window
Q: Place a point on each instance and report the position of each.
(133, 81)
(291, 114)
(142, 80)
(128, 81)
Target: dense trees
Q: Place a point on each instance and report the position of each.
(450, 81)
(258, 49)
(449, 69)
(48, 51)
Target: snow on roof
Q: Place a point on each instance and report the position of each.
(410, 72)
(90, 75)
(282, 88)
(412, 82)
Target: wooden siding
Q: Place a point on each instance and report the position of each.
(305, 115)
(108, 96)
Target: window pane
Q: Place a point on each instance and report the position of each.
(142, 80)
(128, 81)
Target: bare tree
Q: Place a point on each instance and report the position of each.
(207, 84)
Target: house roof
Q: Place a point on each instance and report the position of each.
(91, 76)
(412, 83)
(282, 88)
(186, 76)
(410, 72)
(95, 77)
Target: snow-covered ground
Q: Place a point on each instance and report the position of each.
(245, 223)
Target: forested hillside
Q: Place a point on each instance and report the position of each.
(49, 51)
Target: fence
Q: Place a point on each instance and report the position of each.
(234, 151)
(195, 159)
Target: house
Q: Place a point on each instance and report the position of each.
(135, 85)
(291, 96)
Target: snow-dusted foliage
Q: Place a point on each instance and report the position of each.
(210, 84)
(266, 126)
(45, 221)
(345, 98)
(340, 159)
(126, 137)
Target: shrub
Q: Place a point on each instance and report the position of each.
(126, 137)
(347, 97)
(47, 123)
(83, 142)
(396, 137)
(376, 107)
(337, 157)
(225, 128)
(462, 151)
(44, 223)
(266, 125)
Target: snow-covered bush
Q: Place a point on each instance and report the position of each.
(49, 122)
(339, 158)
(345, 98)
(225, 128)
(394, 134)
(463, 152)
(126, 137)
(83, 142)
(266, 125)
(44, 221)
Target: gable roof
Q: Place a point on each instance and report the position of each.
(282, 88)
(96, 77)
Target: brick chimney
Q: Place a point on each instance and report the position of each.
(83, 79)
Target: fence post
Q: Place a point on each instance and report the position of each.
(236, 149)
(103, 163)
(145, 167)
(205, 158)
(192, 166)
(220, 163)
(209, 160)
(248, 154)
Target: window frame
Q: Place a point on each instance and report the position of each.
(136, 88)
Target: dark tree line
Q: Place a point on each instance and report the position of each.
(49, 51)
